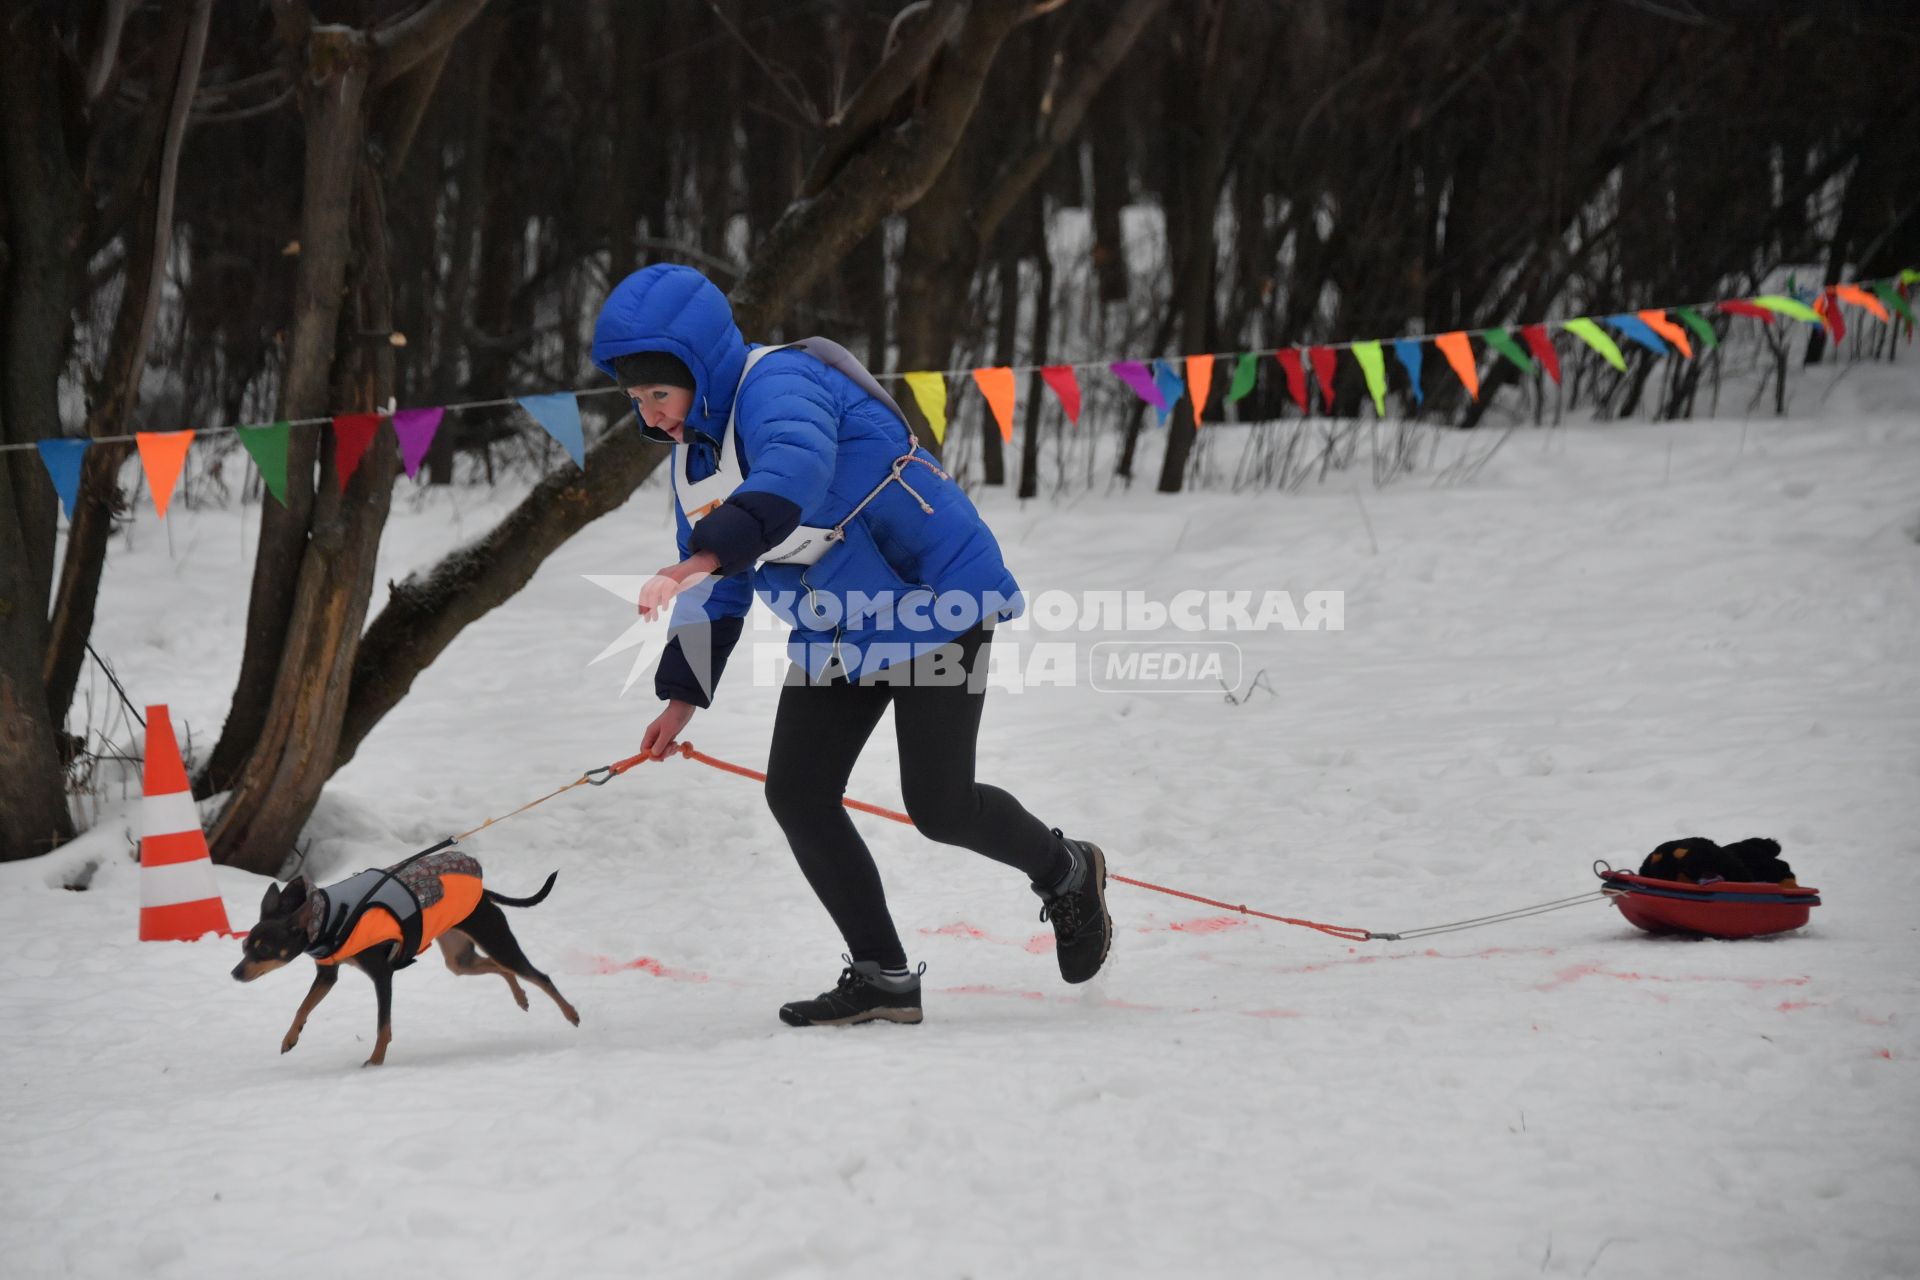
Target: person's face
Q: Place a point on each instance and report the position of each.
(663, 408)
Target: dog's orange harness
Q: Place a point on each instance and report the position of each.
(375, 908)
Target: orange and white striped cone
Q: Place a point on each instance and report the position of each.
(179, 899)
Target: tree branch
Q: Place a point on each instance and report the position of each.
(900, 66)
(421, 34)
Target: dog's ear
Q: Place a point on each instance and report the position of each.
(270, 903)
(309, 903)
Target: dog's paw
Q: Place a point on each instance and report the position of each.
(286, 1046)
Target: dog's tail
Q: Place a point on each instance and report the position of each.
(534, 901)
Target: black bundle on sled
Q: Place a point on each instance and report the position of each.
(1694, 886)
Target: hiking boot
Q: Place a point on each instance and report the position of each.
(863, 994)
(1077, 909)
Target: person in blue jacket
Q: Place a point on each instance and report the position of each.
(796, 475)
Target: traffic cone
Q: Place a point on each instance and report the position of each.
(179, 900)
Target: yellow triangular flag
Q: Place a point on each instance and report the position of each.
(930, 393)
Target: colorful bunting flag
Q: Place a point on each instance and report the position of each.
(352, 435)
(267, 446)
(1407, 352)
(62, 459)
(1789, 307)
(1596, 337)
(1199, 384)
(996, 384)
(1296, 377)
(930, 393)
(1324, 361)
(1065, 385)
(1861, 298)
(1542, 347)
(1636, 328)
(1738, 307)
(416, 429)
(1502, 341)
(559, 413)
(1670, 333)
(1140, 378)
(1909, 276)
(1458, 350)
(163, 453)
(1245, 375)
(1373, 366)
(1828, 309)
(1891, 296)
(1167, 379)
(1701, 329)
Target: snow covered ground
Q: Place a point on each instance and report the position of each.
(1596, 646)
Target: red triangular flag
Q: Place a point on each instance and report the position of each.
(1542, 347)
(1739, 308)
(352, 434)
(1296, 377)
(1067, 387)
(1324, 360)
(1832, 310)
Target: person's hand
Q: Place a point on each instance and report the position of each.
(657, 592)
(665, 729)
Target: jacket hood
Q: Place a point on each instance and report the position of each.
(677, 310)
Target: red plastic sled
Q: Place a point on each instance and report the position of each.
(1727, 909)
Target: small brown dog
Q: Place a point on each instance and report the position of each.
(380, 920)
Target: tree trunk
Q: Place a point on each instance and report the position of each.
(1042, 338)
(45, 223)
(118, 390)
(333, 100)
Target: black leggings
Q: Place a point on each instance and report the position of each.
(817, 735)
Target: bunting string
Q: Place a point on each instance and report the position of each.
(1160, 382)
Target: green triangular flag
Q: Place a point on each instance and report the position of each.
(1244, 375)
(1788, 307)
(1594, 336)
(1909, 276)
(268, 447)
(1701, 329)
(1895, 303)
(1374, 366)
(1502, 341)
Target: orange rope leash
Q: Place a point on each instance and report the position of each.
(614, 770)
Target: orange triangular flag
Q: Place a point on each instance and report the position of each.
(1861, 298)
(996, 385)
(1199, 382)
(163, 453)
(1458, 350)
(1657, 321)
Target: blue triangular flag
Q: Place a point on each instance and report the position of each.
(1637, 329)
(559, 413)
(1407, 351)
(63, 459)
(1172, 387)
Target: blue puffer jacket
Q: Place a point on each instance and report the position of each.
(812, 445)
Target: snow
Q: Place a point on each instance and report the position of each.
(1595, 646)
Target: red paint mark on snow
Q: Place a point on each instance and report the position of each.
(1208, 924)
(1884, 1053)
(1794, 1006)
(645, 964)
(1273, 1013)
(958, 929)
(1039, 944)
